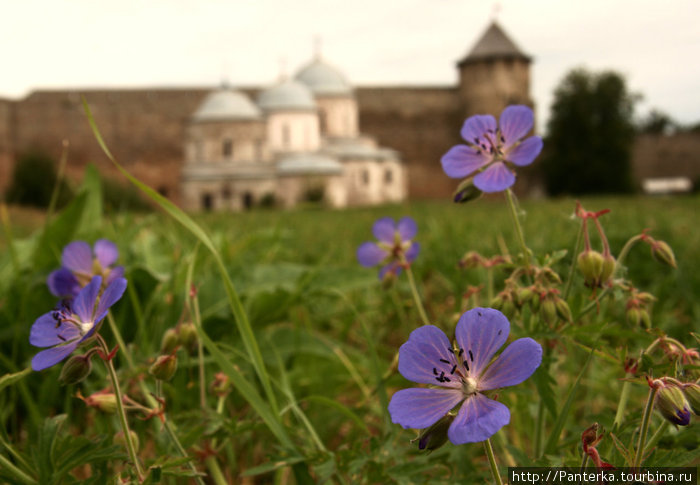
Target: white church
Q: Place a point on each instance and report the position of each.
(298, 141)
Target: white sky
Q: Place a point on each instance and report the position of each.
(146, 43)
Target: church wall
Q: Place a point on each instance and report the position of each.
(206, 140)
(233, 195)
(339, 116)
(293, 131)
(657, 156)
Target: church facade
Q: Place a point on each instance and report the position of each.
(310, 137)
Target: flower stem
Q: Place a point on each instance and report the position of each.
(656, 436)
(622, 405)
(492, 462)
(646, 418)
(416, 296)
(623, 253)
(518, 228)
(130, 448)
(18, 474)
(572, 268)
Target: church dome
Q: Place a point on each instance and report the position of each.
(226, 105)
(287, 95)
(324, 79)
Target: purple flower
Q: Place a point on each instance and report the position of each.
(394, 249)
(79, 263)
(73, 322)
(491, 147)
(463, 374)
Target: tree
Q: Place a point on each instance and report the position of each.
(33, 182)
(590, 135)
(657, 123)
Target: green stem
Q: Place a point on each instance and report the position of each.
(200, 357)
(130, 448)
(539, 429)
(572, 268)
(623, 253)
(11, 469)
(646, 418)
(518, 229)
(120, 341)
(584, 461)
(215, 471)
(656, 436)
(416, 296)
(622, 405)
(492, 462)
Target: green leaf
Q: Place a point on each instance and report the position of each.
(545, 388)
(552, 442)
(45, 450)
(58, 233)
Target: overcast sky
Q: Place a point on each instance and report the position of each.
(146, 43)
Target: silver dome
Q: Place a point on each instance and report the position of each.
(324, 79)
(308, 163)
(226, 105)
(287, 95)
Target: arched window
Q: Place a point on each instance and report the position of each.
(388, 176)
(227, 149)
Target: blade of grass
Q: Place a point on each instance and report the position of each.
(551, 446)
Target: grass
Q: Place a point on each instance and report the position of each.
(328, 334)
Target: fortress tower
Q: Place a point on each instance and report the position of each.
(494, 74)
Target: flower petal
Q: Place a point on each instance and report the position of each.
(114, 273)
(384, 230)
(412, 252)
(44, 332)
(407, 228)
(419, 408)
(495, 178)
(111, 295)
(47, 358)
(476, 126)
(369, 254)
(461, 161)
(63, 283)
(394, 268)
(526, 152)
(515, 364)
(106, 252)
(420, 357)
(515, 122)
(481, 331)
(77, 257)
(84, 303)
(478, 420)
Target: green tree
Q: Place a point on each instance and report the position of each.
(33, 181)
(590, 135)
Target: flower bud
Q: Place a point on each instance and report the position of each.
(563, 309)
(466, 191)
(548, 311)
(104, 401)
(524, 295)
(435, 436)
(590, 263)
(663, 253)
(672, 404)
(633, 316)
(164, 367)
(77, 368)
(188, 336)
(692, 395)
(119, 439)
(608, 268)
(644, 318)
(221, 385)
(170, 341)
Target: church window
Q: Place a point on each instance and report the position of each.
(227, 149)
(286, 136)
(207, 201)
(388, 176)
(323, 120)
(365, 177)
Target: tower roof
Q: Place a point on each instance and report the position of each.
(287, 95)
(494, 44)
(226, 105)
(324, 79)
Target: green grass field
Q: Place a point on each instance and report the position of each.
(328, 333)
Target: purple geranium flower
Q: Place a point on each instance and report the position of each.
(395, 247)
(80, 262)
(73, 322)
(463, 375)
(490, 147)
